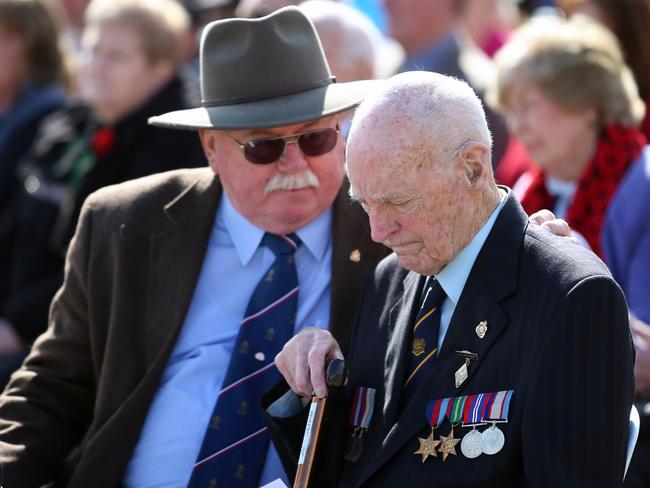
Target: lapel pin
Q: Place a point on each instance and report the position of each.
(355, 256)
(481, 329)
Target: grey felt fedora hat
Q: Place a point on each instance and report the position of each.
(264, 72)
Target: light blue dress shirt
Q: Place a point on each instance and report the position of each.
(180, 411)
(454, 275)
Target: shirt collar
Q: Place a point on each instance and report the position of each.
(559, 188)
(246, 237)
(453, 276)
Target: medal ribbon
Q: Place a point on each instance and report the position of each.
(487, 405)
(470, 409)
(457, 410)
(364, 406)
(436, 411)
(500, 406)
(473, 409)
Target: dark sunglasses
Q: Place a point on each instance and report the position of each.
(266, 151)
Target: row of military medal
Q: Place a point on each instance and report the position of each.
(470, 411)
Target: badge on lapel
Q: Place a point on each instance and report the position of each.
(463, 373)
(481, 329)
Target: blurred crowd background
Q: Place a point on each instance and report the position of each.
(565, 85)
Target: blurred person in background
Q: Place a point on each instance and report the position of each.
(354, 47)
(127, 74)
(515, 161)
(349, 39)
(630, 22)
(75, 11)
(433, 39)
(529, 8)
(626, 249)
(373, 9)
(147, 325)
(31, 81)
(252, 9)
(201, 13)
(488, 22)
(571, 100)
(626, 232)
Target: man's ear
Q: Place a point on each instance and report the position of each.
(208, 142)
(476, 162)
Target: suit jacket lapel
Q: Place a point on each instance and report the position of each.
(354, 255)
(493, 278)
(177, 251)
(401, 317)
(177, 247)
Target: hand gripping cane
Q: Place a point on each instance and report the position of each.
(335, 376)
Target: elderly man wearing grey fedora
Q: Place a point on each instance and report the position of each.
(181, 288)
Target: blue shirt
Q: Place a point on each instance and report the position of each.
(180, 411)
(454, 275)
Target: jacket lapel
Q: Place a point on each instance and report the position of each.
(400, 319)
(354, 255)
(492, 279)
(177, 251)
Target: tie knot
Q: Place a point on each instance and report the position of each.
(281, 244)
(434, 294)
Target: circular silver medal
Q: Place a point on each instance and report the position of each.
(470, 446)
(492, 440)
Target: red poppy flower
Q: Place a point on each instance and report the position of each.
(103, 141)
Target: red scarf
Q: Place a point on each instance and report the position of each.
(617, 148)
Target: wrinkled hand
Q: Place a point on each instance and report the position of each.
(547, 220)
(303, 360)
(641, 337)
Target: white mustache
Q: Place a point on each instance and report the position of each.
(295, 181)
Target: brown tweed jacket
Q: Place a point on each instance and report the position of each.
(72, 414)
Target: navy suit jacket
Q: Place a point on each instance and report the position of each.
(557, 335)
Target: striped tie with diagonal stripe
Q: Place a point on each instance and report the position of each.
(236, 441)
(424, 343)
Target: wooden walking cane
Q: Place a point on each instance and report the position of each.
(335, 376)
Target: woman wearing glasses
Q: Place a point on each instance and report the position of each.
(130, 53)
(571, 100)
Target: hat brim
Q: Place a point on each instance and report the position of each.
(271, 112)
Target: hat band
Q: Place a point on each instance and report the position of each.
(264, 96)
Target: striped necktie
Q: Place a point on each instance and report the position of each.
(424, 343)
(234, 448)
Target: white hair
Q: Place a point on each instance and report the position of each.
(350, 39)
(441, 110)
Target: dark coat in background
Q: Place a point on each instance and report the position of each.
(73, 157)
(18, 128)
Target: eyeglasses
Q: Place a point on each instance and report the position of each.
(266, 151)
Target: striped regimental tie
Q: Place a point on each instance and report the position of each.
(424, 343)
(236, 441)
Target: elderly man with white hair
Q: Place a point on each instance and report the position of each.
(486, 352)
